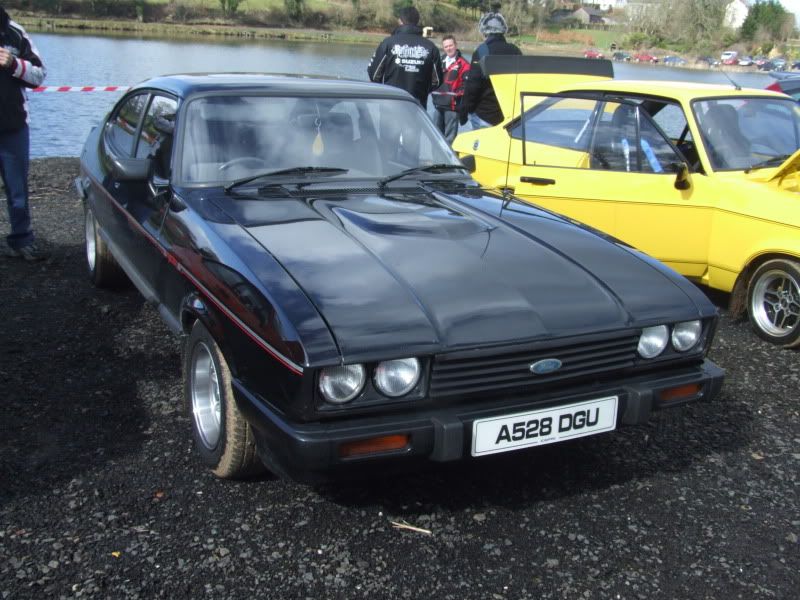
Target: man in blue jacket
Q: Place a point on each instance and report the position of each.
(20, 67)
(407, 60)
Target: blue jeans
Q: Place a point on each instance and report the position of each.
(14, 163)
(446, 121)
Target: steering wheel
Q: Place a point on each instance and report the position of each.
(252, 162)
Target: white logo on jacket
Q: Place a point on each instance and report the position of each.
(406, 51)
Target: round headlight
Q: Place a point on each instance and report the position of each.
(395, 378)
(653, 341)
(341, 384)
(685, 335)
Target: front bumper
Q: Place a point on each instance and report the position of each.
(310, 452)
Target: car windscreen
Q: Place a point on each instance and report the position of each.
(229, 137)
(740, 132)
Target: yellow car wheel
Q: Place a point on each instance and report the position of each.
(773, 302)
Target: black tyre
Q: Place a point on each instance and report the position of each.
(773, 302)
(222, 437)
(104, 271)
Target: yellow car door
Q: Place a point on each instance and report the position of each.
(606, 163)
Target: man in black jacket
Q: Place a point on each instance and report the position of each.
(20, 67)
(480, 100)
(407, 60)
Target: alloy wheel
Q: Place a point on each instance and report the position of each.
(91, 240)
(775, 303)
(205, 393)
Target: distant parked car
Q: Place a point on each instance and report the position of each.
(621, 56)
(788, 83)
(746, 61)
(796, 65)
(592, 53)
(776, 64)
(645, 57)
(760, 60)
(706, 60)
(729, 57)
(674, 61)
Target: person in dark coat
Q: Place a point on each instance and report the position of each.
(480, 101)
(447, 98)
(407, 60)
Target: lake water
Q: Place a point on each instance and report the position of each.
(60, 121)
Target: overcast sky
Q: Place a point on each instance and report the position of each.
(793, 6)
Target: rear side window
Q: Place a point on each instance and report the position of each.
(122, 126)
(160, 106)
(560, 122)
(591, 133)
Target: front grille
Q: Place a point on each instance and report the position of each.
(508, 370)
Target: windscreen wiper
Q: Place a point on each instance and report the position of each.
(423, 169)
(770, 162)
(289, 171)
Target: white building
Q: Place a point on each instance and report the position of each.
(735, 13)
(611, 4)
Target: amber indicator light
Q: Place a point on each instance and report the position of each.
(682, 391)
(374, 445)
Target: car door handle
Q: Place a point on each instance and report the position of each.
(538, 180)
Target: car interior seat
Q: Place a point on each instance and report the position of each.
(338, 136)
(615, 141)
(727, 145)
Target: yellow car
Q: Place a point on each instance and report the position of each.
(703, 177)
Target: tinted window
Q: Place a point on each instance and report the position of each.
(659, 155)
(592, 134)
(672, 121)
(560, 122)
(160, 106)
(741, 132)
(228, 137)
(122, 126)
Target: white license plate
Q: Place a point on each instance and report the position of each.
(546, 426)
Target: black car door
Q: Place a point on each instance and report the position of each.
(130, 140)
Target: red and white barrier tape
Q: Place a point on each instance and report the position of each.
(86, 88)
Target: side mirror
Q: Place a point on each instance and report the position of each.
(130, 169)
(158, 186)
(683, 179)
(468, 160)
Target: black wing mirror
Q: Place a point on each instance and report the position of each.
(130, 169)
(683, 179)
(468, 160)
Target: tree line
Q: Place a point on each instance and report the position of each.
(681, 25)
(701, 25)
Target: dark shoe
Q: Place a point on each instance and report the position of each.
(31, 253)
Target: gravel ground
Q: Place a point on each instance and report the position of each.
(100, 495)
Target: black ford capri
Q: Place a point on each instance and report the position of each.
(347, 294)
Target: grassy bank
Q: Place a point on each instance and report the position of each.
(191, 30)
(568, 43)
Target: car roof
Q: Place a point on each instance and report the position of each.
(679, 90)
(187, 84)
